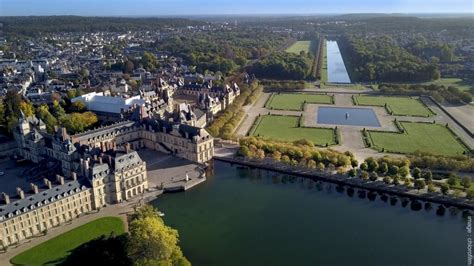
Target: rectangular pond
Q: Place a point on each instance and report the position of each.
(347, 116)
(337, 72)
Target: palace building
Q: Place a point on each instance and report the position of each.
(98, 167)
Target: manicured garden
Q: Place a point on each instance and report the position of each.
(58, 248)
(425, 137)
(397, 105)
(297, 47)
(296, 101)
(289, 128)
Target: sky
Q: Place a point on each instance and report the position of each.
(226, 7)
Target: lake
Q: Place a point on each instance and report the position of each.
(347, 116)
(337, 72)
(255, 217)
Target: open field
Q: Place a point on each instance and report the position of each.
(296, 101)
(455, 82)
(398, 105)
(432, 138)
(58, 248)
(297, 47)
(286, 128)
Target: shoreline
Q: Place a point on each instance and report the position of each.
(377, 186)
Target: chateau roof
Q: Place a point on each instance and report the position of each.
(43, 197)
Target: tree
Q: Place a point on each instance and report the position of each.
(428, 176)
(364, 166)
(387, 180)
(420, 184)
(354, 163)
(431, 188)
(466, 182)
(276, 155)
(27, 108)
(260, 154)
(58, 110)
(404, 171)
(373, 176)
(416, 173)
(393, 170)
(78, 122)
(78, 107)
(470, 193)
(372, 164)
(151, 242)
(444, 188)
(47, 117)
(352, 172)
(453, 179)
(364, 175)
(396, 180)
(383, 168)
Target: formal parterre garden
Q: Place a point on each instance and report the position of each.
(54, 250)
(299, 46)
(296, 101)
(425, 137)
(289, 128)
(403, 106)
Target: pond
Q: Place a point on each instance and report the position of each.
(347, 116)
(241, 216)
(337, 72)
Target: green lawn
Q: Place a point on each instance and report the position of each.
(295, 101)
(59, 247)
(432, 138)
(286, 128)
(297, 47)
(399, 105)
(324, 67)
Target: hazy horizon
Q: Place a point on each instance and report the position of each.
(166, 8)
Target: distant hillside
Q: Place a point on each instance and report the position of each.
(36, 25)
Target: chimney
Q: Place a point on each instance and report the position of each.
(34, 188)
(86, 167)
(60, 179)
(64, 133)
(6, 198)
(74, 176)
(47, 183)
(20, 193)
(82, 166)
(127, 147)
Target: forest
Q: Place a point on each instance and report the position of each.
(282, 65)
(382, 59)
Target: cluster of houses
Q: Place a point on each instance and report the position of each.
(164, 110)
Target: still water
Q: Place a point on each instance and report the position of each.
(337, 72)
(347, 116)
(255, 217)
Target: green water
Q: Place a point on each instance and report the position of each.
(255, 217)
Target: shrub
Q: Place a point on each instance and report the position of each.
(374, 176)
(444, 188)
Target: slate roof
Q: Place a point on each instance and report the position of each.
(43, 197)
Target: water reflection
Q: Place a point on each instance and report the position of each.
(320, 186)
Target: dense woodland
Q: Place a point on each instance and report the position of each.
(223, 51)
(283, 65)
(381, 59)
(34, 26)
